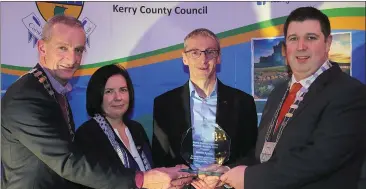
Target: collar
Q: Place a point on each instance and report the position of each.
(57, 85)
(193, 89)
(305, 82)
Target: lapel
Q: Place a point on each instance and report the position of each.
(223, 101)
(272, 104)
(136, 135)
(186, 103)
(39, 67)
(140, 141)
(71, 117)
(268, 113)
(316, 87)
(223, 110)
(130, 159)
(186, 107)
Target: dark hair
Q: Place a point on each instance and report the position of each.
(96, 86)
(308, 13)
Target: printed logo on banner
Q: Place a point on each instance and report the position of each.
(50, 9)
(260, 3)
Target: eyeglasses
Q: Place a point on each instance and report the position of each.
(210, 53)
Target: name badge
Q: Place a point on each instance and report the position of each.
(267, 151)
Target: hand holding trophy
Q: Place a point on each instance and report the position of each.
(204, 146)
(166, 178)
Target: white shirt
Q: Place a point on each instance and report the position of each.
(133, 149)
(306, 82)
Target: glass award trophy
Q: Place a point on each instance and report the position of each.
(203, 146)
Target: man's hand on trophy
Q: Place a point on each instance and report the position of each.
(235, 177)
(209, 177)
(166, 177)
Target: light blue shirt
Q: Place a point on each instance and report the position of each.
(203, 117)
(57, 85)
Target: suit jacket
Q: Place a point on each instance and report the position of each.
(362, 181)
(94, 143)
(323, 144)
(37, 150)
(235, 113)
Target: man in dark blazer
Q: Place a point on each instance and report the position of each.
(37, 126)
(320, 142)
(203, 97)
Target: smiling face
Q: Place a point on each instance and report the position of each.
(306, 47)
(61, 54)
(203, 67)
(116, 97)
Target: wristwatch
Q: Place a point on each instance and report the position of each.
(227, 186)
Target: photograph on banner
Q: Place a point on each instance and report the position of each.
(341, 51)
(268, 64)
(269, 61)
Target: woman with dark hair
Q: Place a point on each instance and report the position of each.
(110, 135)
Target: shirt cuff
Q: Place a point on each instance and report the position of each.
(139, 179)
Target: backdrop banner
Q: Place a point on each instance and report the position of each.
(147, 39)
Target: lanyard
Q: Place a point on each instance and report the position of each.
(44, 81)
(268, 147)
(288, 115)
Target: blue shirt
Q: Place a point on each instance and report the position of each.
(203, 117)
(57, 85)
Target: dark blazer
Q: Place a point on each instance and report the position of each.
(323, 145)
(37, 150)
(362, 181)
(236, 114)
(92, 140)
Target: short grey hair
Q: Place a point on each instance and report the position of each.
(202, 32)
(59, 19)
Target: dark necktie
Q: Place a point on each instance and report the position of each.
(288, 102)
(63, 104)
